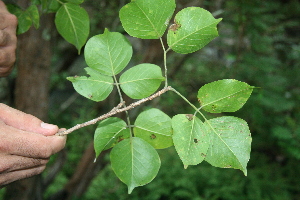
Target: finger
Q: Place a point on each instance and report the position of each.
(9, 163)
(25, 122)
(17, 142)
(9, 177)
(7, 58)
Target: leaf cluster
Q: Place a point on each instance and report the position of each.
(223, 142)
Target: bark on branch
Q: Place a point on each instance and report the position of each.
(115, 110)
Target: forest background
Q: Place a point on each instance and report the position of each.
(259, 43)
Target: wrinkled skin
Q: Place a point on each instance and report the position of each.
(26, 143)
(8, 40)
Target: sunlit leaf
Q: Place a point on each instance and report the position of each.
(230, 143)
(73, 23)
(193, 28)
(96, 87)
(141, 80)
(155, 127)
(226, 95)
(109, 53)
(147, 19)
(108, 133)
(135, 162)
(191, 139)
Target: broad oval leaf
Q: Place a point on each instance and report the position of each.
(155, 127)
(191, 139)
(97, 87)
(147, 19)
(193, 28)
(108, 133)
(109, 53)
(141, 80)
(135, 162)
(73, 23)
(227, 95)
(230, 143)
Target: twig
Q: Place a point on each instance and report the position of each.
(114, 111)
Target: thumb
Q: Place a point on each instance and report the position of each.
(25, 122)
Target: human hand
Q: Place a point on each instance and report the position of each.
(26, 143)
(8, 40)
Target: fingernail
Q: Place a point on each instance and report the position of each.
(48, 126)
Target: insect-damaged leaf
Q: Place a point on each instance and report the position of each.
(230, 143)
(97, 87)
(155, 127)
(108, 133)
(226, 95)
(190, 138)
(193, 28)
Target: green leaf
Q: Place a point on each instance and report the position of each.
(155, 127)
(190, 138)
(135, 162)
(24, 20)
(108, 133)
(230, 143)
(51, 5)
(33, 12)
(226, 95)
(75, 1)
(109, 53)
(97, 87)
(73, 23)
(141, 81)
(193, 28)
(147, 19)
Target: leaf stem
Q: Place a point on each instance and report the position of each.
(121, 100)
(165, 62)
(186, 100)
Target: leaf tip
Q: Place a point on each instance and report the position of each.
(130, 189)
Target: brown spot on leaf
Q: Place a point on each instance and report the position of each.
(189, 117)
(174, 27)
(152, 136)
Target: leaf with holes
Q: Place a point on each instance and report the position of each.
(147, 19)
(193, 28)
(97, 87)
(226, 95)
(230, 143)
(154, 126)
(141, 80)
(108, 133)
(135, 162)
(190, 138)
(73, 23)
(109, 53)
